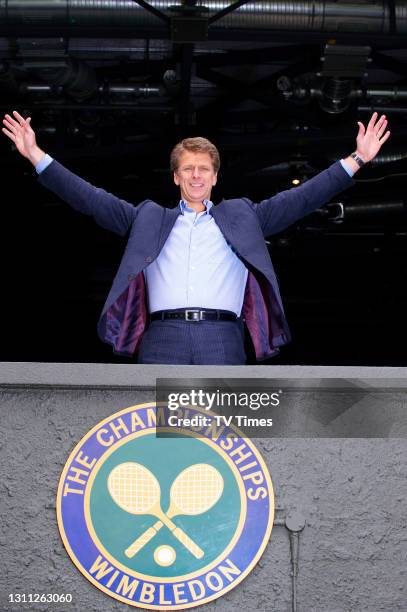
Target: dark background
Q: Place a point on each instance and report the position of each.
(279, 90)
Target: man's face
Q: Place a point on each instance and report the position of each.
(195, 176)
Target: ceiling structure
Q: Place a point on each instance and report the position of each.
(278, 86)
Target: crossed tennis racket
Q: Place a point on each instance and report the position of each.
(136, 490)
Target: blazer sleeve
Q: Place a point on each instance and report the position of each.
(109, 211)
(278, 212)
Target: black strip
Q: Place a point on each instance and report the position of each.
(392, 17)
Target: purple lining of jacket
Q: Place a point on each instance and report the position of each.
(123, 324)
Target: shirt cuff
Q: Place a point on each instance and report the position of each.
(346, 167)
(44, 163)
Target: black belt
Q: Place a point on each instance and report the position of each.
(193, 314)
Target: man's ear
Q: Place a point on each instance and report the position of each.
(176, 178)
(215, 179)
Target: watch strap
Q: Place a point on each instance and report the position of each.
(360, 162)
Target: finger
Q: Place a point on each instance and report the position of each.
(385, 137)
(12, 121)
(19, 118)
(380, 122)
(9, 134)
(21, 122)
(372, 121)
(378, 125)
(382, 129)
(361, 129)
(11, 126)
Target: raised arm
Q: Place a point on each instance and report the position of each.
(108, 210)
(278, 212)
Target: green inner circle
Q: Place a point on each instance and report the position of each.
(165, 458)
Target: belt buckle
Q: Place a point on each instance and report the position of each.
(196, 314)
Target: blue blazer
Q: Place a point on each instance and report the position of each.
(244, 225)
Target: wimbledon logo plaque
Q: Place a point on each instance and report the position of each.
(164, 523)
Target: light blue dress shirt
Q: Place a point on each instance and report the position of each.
(196, 266)
(43, 163)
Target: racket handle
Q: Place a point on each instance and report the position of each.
(188, 543)
(141, 541)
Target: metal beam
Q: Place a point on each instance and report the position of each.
(226, 11)
(153, 10)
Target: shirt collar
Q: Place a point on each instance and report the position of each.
(184, 206)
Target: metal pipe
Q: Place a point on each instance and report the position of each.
(394, 93)
(295, 523)
(335, 95)
(123, 89)
(388, 158)
(138, 90)
(313, 16)
(340, 211)
(400, 110)
(387, 92)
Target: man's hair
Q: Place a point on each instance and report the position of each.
(195, 145)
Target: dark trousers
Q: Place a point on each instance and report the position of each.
(194, 343)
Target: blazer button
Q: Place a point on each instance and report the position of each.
(149, 259)
(131, 277)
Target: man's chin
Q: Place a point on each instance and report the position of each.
(197, 198)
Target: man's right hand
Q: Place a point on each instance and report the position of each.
(21, 133)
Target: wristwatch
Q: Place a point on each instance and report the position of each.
(360, 162)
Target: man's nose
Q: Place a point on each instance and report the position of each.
(195, 172)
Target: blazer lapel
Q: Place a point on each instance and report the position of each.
(222, 221)
(169, 218)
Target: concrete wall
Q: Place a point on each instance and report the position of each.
(352, 492)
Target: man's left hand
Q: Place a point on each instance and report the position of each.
(369, 140)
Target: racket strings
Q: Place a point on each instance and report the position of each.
(134, 488)
(197, 489)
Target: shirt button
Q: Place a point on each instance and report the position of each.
(192, 267)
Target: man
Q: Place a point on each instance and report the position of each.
(190, 276)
